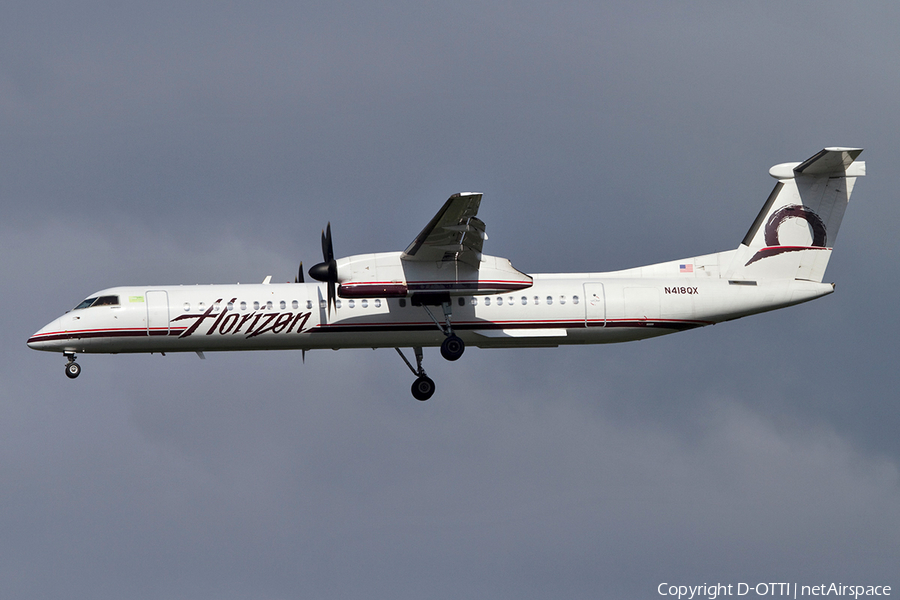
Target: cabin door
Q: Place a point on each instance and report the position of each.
(157, 312)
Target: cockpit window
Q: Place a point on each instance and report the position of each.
(99, 301)
(86, 303)
(107, 301)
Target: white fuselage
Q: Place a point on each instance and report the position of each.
(444, 291)
(582, 308)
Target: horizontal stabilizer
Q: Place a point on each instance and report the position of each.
(834, 162)
(830, 161)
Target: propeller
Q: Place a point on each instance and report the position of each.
(326, 271)
(299, 277)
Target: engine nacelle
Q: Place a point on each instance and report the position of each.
(387, 275)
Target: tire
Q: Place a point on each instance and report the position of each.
(73, 370)
(422, 388)
(452, 348)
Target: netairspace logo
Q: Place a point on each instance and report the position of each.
(793, 590)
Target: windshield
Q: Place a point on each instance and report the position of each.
(86, 303)
(99, 301)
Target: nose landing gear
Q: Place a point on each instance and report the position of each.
(73, 369)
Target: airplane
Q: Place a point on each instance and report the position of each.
(443, 291)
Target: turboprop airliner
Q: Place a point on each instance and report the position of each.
(443, 291)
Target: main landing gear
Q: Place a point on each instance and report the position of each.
(451, 348)
(423, 386)
(73, 369)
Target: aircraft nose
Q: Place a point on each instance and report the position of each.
(42, 339)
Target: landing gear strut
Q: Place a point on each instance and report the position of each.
(73, 369)
(423, 386)
(452, 347)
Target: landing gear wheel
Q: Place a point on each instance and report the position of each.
(423, 388)
(452, 348)
(73, 370)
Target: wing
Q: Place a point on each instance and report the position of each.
(454, 234)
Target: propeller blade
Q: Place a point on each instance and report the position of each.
(331, 298)
(327, 247)
(299, 276)
(326, 271)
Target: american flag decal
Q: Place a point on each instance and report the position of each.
(685, 268)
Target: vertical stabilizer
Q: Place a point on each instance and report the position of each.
(794, 233)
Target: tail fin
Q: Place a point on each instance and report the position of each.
(793, 235)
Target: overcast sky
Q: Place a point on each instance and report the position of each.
(210, 142)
